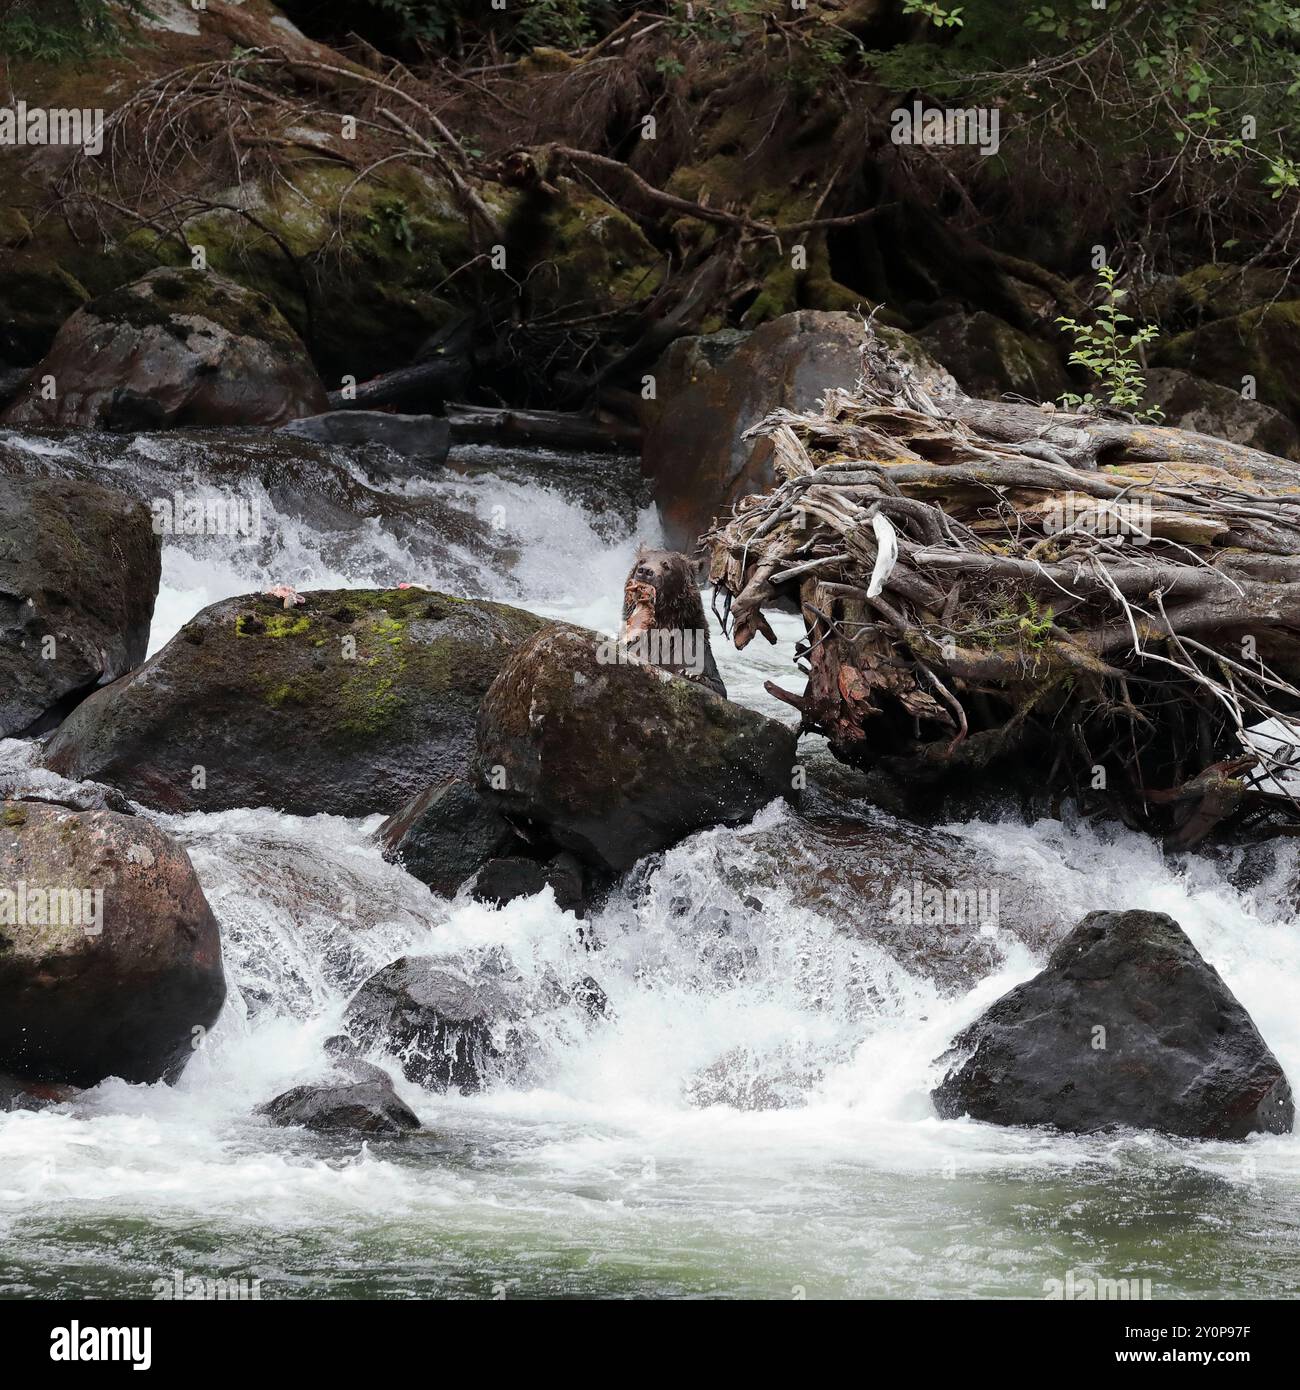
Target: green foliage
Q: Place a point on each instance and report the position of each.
(1182, 84)
(391, 216)
(733, 32)
(1035, 627)
(938, 16)
(56, 31)
(535, 23)
(1109, 353)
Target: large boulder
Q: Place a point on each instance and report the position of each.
(1190, 403)
(614, 760)
(176, 347)
(683, 363)
(989, 358)
(695, 451)
(350, 703)
(1260, 343)
(1220, 291)
(79, 571)
(110, 958)
(1126, 1026)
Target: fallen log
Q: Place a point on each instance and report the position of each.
(427, 385)
(1094, 603)
(552, 429)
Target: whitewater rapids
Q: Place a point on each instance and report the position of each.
(627, 1161)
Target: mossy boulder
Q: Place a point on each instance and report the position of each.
(1192, 403)
(696, 453)
(386, 261)
(350, 703)
(36, 295)
(1222, 291)
(1262, 344)
(79, 572)
(990, 358)
(176, 347)
(614, 760)
(591, 256)
(110, 957)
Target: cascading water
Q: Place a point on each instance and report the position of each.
(752, 1117)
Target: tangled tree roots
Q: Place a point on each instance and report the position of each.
(1091, 602)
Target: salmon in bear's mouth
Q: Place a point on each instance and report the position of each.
(639, 605)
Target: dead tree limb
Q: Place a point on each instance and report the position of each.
(981, 581)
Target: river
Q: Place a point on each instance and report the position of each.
(626, 1160)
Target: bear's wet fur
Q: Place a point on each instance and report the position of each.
(660, 596)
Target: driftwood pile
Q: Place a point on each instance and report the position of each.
(992, 590)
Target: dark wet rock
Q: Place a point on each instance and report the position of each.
(614, 761)
(990, 358)
(110, 957)
(423, 437)
(568, 881)
(444, 1026)
(501, 881)
(1191, 403)
(445, 834)
(1178, 1052)
(684, 362)
(85, 796)
(18, 1093)
(926, 897)
(350, 703)
(79, 571)
(365, 1104)
(176, 347)
(696, 453)
(12, 381)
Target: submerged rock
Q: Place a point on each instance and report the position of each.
(364, 1102)
(110, 957)
(350, 703)
(423, 437)
(18, 1093)
(696, 451)
(927, 898)
(1127, 1025)
(176, 347)
(615, 761)
(79, 571)
(445, 1027)
(460, 1022)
